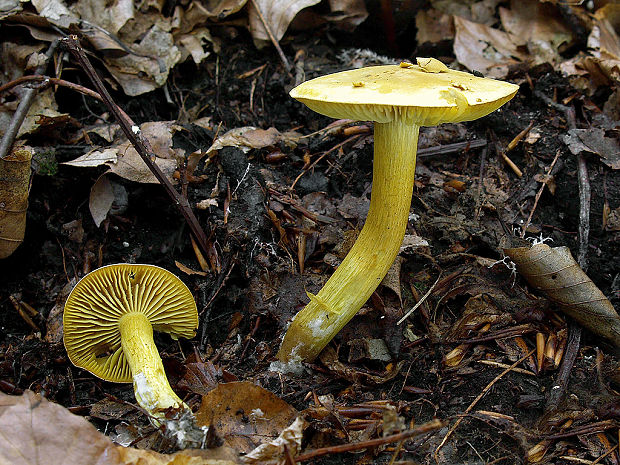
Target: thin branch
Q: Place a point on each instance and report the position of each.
(24, 106)
(141, 144)
(273, 39)
(418, 431)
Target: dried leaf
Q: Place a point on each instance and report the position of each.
(56, 12)
(536, 25)
(485, 49)
(278, 14)
(147, 68)
(392, 278)
(33, 429)
(604, 38)
(94, 158)
(109, 15)
(594, 140)
(14, 188)
(188, 270)
(101, 199)
(329, 358)
(244, 415)
(124, 161)
(290, 439)
(347, 14)
(433, 26)
(249, 137)
(555, 272)
(36, 431)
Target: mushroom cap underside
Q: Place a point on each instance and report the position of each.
(101, 298)
(409, 93)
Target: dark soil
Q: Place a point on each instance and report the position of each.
(245, 307)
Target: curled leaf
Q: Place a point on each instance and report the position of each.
(14, 187)
(555, 272)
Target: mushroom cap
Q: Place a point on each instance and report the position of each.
(425, 96)
(97, 303)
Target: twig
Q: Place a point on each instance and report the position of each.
(273, 39)
(556, 393)
(574, 331)
(141, 144)
(483, 157)
(476, 400)
(46, 80)
(417, 431)
(539, 194)
(419, 302)
(24, 106)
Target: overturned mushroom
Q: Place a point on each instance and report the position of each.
(399, 99)
(109, 320)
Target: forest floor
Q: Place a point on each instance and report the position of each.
(274, 242)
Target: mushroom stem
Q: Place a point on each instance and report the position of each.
(153, 392)
(373, 253)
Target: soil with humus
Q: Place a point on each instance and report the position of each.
(274, 243)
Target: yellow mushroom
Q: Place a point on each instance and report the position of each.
(399, 99)
(109, 319)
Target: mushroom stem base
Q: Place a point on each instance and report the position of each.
(373, 253)
(151, 387)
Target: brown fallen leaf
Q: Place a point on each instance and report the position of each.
(538, 27)
(125, 162)
(555, 272)
(289, 441)
(244, 415)
(249, 137)
(101, 199)
(278, 14)
(35, 431)
(485, 49)
(29, 427)
(14, 188)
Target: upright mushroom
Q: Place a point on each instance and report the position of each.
(399, 99)
(108, 322)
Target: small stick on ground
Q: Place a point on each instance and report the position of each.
(574, 330)
(539, 194)
(417, 431)
(476, 400)
(141, 144)
(273, 39)
(24, 106)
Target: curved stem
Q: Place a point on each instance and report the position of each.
(373, 253)
(153, 392)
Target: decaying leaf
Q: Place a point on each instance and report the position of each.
(594, 140)
(124, 161)
(278, 14)
(289, 439)
(245, 415)
(33, 428)
(14, 188)
(483, 48)
(101, 199)
(536, 26)
(433, 26)
(249, 137)
(329, 358)
(555, 272)
(36, 431)
(604, 39)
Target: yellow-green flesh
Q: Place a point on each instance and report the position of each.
(152, 390)
(372, 254)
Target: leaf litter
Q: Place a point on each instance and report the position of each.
(284, 210)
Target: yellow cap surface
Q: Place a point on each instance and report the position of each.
(411, 93)
(102, 297)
